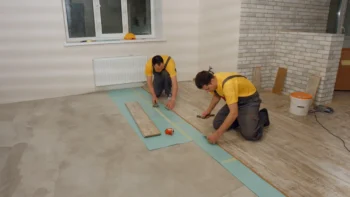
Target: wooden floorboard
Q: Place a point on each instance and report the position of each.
(145, 124)
(296, 155)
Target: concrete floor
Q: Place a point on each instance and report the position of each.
(81, 146)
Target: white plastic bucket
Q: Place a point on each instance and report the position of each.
(300, 103)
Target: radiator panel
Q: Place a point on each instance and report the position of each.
(119, 70)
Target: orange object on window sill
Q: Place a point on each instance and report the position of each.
(129, 36)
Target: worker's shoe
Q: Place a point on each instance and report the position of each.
(267, 123)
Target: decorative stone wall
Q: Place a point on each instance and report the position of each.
(289, 33)
(262, 19)
(305, 54)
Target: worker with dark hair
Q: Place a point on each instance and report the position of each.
(242, 104)
(163, 69)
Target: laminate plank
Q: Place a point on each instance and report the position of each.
(145, 124)
(312, 85)
(279, 81)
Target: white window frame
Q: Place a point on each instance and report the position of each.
(98, 24)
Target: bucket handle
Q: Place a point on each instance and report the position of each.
(300, 106)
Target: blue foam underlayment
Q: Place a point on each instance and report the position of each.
(120, 97)
(184, 133)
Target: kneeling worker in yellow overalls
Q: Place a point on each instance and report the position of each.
(242, 104)
(163, 70)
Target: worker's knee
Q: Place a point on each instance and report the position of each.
(252, 136)
(249, 137)
(217, 124)
(158, 91)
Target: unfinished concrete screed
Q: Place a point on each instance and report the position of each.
(83, 146)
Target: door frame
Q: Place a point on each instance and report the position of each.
(341, 17)
(341, 30)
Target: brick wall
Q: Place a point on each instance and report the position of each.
(306, 54)
(262, 19)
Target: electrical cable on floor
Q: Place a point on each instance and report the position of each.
(331, 132)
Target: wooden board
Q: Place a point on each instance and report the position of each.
(279, 82)
(312, 86)
(145, 124)
(256, 79)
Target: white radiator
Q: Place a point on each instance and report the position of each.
(119, 70)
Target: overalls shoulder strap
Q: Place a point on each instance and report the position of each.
(167, 61)
(228, 78)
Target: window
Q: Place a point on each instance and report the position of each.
(108, 19)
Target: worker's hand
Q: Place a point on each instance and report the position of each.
(205, 113)
(171, 104)
(213, 138)
(154, 100)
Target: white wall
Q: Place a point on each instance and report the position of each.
(34, 64)
(219, 23)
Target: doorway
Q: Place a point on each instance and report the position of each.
(339, 23)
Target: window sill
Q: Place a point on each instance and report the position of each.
(98, 42)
